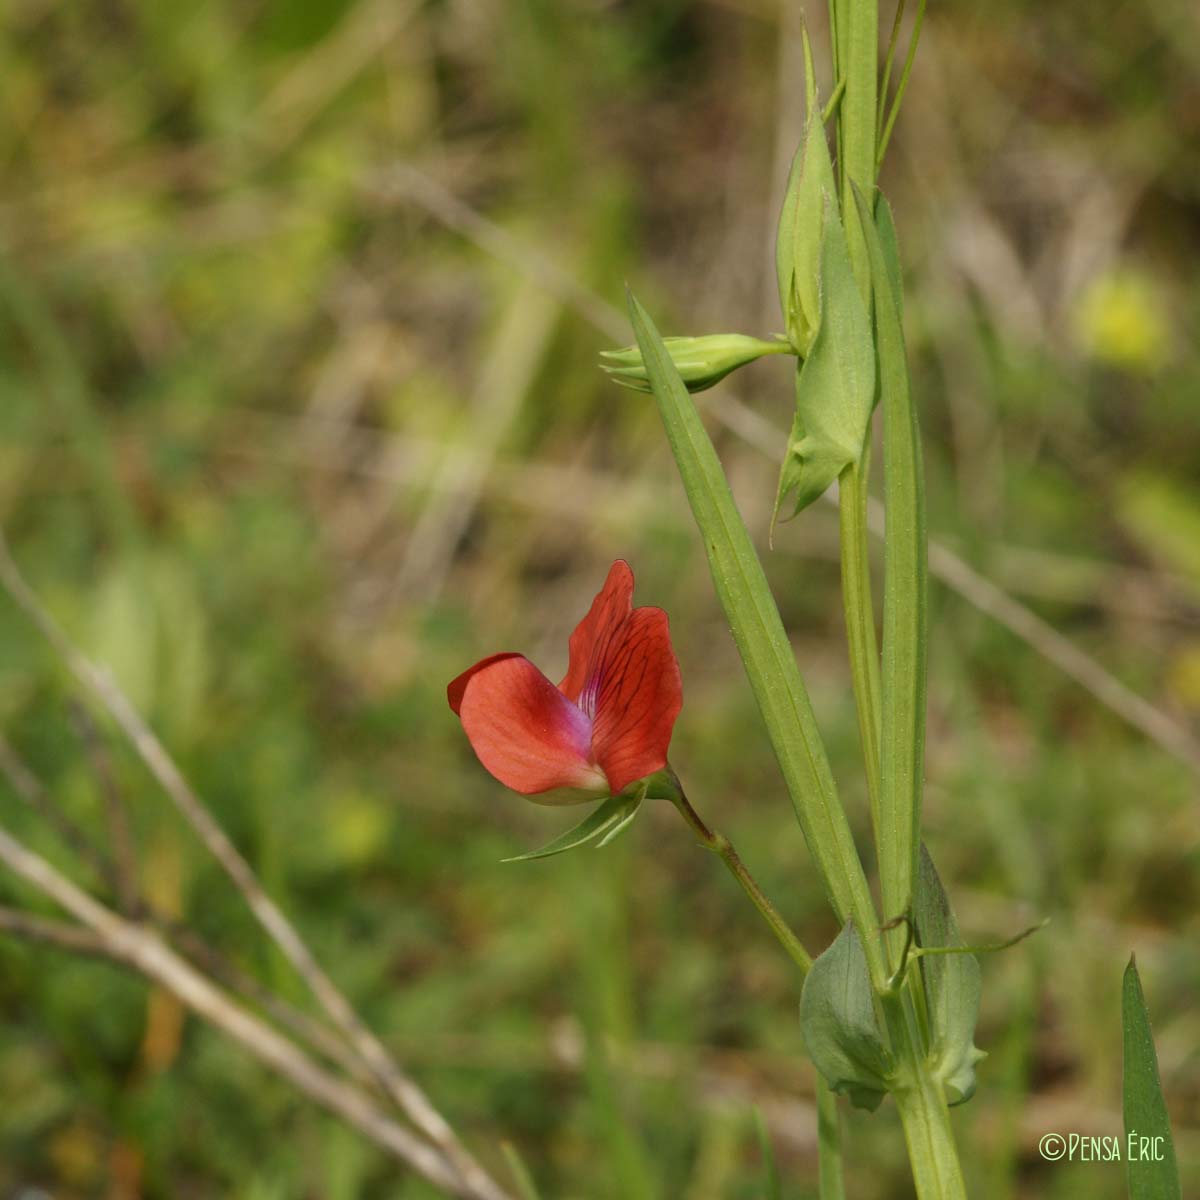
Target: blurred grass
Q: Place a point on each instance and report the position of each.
(288, 453)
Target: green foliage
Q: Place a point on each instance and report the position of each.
(835, 385)
(1150, 1158)
(772, 1187)
(905, 583)
(526, 1188)
(951, 988)
(838, 1022)
(607, 821)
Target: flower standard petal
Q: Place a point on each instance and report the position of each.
(637, 696)
(526, 732)
(611, 607)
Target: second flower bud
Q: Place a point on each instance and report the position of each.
(700, 361)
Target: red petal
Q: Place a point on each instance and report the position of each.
(638, 695)
(595, 632)
(456, 687)
(525, 731)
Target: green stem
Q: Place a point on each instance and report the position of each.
(932, 1154)
(718, 843)
(832, 1183)
(905, 602)
(924, 1114)
(885, 135)
(893, 770)
(857, 22)
(893, 40)
(860, 622)
(857, 27)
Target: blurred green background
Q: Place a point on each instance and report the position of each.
(299, 415)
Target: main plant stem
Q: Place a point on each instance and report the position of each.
(718, 843)
(928, 1135)
(860, 623)
(924, 1114)
(918, 1095)
(930, 1139)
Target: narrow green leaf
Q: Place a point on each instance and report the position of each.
(605, 822)
(810, 70)
(622, 823)
(952, 988)
(772, 1189)
(905, 584)
(835, 387)
(761, 640)
(1150, 1159)
(837, 1020)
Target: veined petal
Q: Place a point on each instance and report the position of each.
(638, 695)
(596, 632)
(526, 732)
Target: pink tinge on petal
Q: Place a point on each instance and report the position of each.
(525, 731)
(596, 632)
(637, 696)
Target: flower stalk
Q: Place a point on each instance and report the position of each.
(719, 844)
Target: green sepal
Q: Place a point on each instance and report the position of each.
(835, 386)
(798, 240)
(837, 1020)
(701, 361)
(1153, 1175)
(662, 785)
(604, 823)
(952, 988)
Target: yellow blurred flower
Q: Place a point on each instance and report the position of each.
(1121, 320)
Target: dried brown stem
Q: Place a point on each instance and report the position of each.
(107, 934)
(105, 690)
(30, 791)
(319, 1036)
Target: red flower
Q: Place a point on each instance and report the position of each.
(606, 725)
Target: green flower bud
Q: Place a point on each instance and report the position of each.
(810, 191)
(700, 361)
